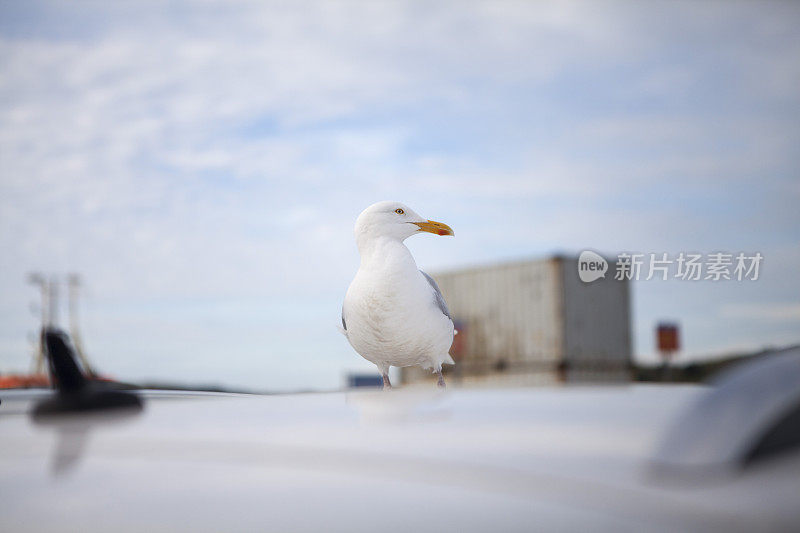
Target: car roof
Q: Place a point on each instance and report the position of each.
(415, 457)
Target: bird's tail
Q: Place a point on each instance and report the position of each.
(448, 360)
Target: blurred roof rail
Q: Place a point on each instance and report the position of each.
(749, 415)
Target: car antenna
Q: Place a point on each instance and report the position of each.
(75, 393)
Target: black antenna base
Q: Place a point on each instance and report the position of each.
(75, 393)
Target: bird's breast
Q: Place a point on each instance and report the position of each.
(386, 315)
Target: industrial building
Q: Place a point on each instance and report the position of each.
(535, 322)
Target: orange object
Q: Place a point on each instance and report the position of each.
(24, 381)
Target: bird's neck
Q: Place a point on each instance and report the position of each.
(384, 253)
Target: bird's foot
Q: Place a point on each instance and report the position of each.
(441, 383)
(386, 383)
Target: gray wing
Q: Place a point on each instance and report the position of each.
(344, 325)
(440, 303)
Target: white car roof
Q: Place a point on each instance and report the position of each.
(567, 458)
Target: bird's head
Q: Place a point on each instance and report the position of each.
(393, 219)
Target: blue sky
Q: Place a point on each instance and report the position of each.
(201, 164)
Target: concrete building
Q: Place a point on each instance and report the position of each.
(535, 322)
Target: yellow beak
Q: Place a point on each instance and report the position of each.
(437, 228)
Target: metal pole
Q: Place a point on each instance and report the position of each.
(73, 283)
(53, 289)
(38, 279)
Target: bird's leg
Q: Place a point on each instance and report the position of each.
(441, 379)
(386, 383)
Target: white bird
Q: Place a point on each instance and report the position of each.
(394, 314)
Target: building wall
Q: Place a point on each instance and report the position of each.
(534, 322)
(597, 331)
(508, 316)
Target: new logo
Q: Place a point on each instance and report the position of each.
(591, 266)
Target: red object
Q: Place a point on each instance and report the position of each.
(668, 339)
(459, 346)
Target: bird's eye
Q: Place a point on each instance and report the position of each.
(399, 211)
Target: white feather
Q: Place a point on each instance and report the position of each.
(391, 314)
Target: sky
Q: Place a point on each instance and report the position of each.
(201, 165)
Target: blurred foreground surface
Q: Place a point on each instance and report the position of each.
(414, 459)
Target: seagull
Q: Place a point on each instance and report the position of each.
(393, 313)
